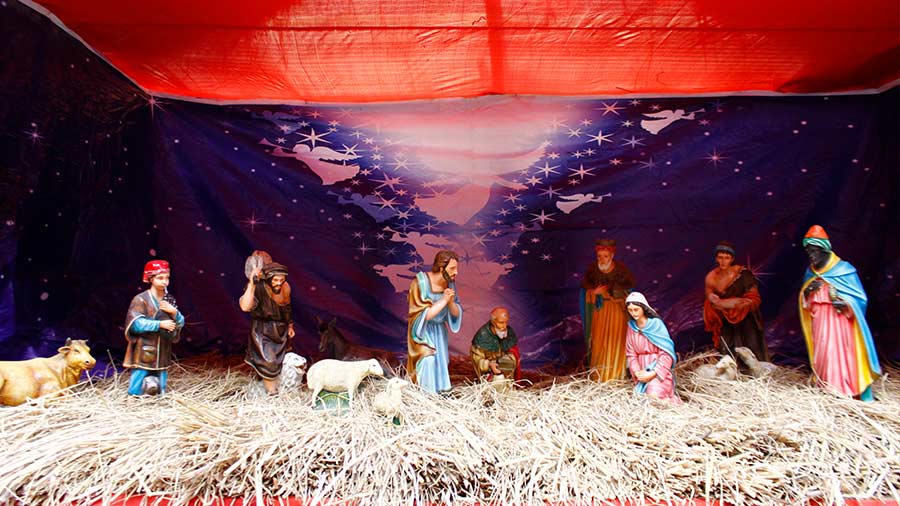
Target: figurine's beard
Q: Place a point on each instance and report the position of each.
(446, 276)
(501, 333)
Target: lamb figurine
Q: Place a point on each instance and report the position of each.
(757, 368)
(290, 380)
(389, 402)
(340, 376)
(724, 369)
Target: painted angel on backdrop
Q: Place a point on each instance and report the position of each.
(569, 203)
(320, 159)
(662, 119)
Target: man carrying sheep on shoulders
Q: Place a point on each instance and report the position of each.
(433, 307)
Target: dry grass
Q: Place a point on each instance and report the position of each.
(759, 441)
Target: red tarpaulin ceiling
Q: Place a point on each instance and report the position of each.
(380, 50)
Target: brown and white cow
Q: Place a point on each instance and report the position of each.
(29, 379)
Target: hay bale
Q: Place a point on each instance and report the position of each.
(770, 440)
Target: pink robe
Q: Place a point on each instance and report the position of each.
(640, 353)
(834, 344)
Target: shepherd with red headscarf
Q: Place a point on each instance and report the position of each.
(152, 325)
(606, 284)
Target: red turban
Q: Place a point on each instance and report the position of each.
(154, 267)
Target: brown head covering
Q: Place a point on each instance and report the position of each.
(273, 269)
(607, 244)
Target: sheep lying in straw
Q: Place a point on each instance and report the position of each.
(757, 368)
(724, 369)
(290, 380)
(340, 376)
(389, 402)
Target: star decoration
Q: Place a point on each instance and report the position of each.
(581, 171)
(550, 192)
(313, 137)
(633, 142)
(600, 138)
(610, 108)
(252, 222)
(389, 182)
(715, 157)
(542, 217)
(547, 169)
(350, 150)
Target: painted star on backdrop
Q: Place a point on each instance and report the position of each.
(533, 181)
(600, 138)
(34, 135)
(581, 171)
(154, 103)
(387, 203)
(547, 169)
(312, 137)
(610, 108)
(549, 191)
(400, 164)
(252, 222)
(633, 142)
(556, 123)
(715, 157)
(351, 150)
(650, 164)
(512, 197)
(542, 217)
(574, 133)
(390, 182)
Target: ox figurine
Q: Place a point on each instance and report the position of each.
(38, 377)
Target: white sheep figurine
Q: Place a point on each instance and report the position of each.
(724, 369)
(340, 376)
(389, 402)
(293, 367)
(757, 368)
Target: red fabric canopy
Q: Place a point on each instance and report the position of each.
(380, 50)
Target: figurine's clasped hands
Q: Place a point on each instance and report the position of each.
(813, 286)
(645, 376)
(449, 293)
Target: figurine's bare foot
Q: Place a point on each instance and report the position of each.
(271, 386)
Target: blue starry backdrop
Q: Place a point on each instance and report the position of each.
(99, 177)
